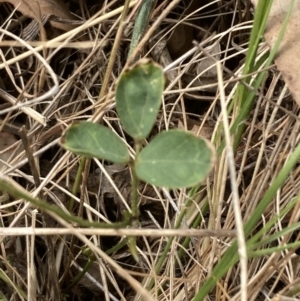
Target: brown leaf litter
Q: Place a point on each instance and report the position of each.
(287, 58)
(37, 9)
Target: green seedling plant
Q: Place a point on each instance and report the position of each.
(173, 159)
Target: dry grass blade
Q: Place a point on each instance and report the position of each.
(42, 254)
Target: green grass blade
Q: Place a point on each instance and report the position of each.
(230, 257)
(140, 24)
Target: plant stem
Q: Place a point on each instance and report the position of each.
(14, 189)
(135, 213)
(110, 251)
(76, 183)
(134, 186)
(79, 276)
(117, 247)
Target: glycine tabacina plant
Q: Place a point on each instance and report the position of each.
(173, 159)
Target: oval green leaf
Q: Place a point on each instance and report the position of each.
(175, 159)
(94, 140)
(138, 98)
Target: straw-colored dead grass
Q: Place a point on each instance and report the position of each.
(44, 266)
